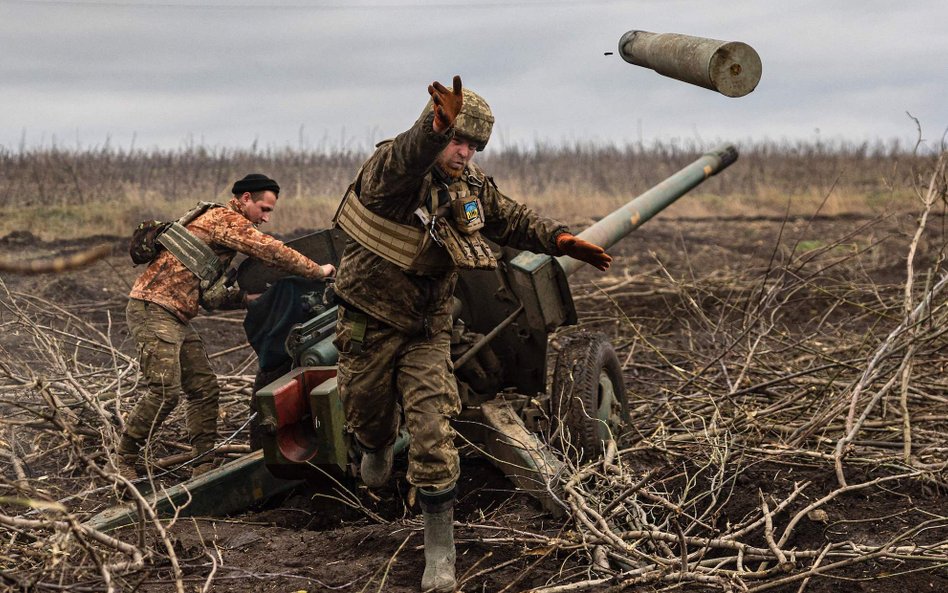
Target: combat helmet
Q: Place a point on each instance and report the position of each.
(475, 120)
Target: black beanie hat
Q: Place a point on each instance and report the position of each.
(255, 182)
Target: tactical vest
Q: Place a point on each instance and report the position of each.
(448, 238)
(197, 256)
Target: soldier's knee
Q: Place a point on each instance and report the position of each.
(205, 388)
(164, 395)
(165, 382)
(431, 430)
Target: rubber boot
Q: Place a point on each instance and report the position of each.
(438, 510)
(376, 466)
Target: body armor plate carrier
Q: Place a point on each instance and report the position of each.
(435, 248)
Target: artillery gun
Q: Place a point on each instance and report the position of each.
(502, 324)
(503, 321)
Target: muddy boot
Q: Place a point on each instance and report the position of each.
(376, 467)
(128, 471)
(127, 467)
(205, 461)
(127, 462)
(202, 468)
(438, 510)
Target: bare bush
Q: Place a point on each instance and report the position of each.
(63, 384)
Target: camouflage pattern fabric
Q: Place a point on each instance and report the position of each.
(474, 122)
(172, 359)
(397, 180)
(415, 371)
(406, 350)
(167, 282)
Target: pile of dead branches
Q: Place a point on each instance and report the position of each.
(64, 387)
(850, 392)
(815, 364)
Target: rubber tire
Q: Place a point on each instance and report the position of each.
(585, 369)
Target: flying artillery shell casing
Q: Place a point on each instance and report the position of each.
(731, 68)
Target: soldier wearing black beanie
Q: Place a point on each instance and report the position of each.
(166, 297)
(253, 183)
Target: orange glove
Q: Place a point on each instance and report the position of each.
(447, 104)
(583, 251)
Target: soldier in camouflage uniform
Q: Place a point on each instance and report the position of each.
(393, 331)
(166, 297)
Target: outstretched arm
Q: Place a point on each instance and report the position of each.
(511, 223)
(236, 232)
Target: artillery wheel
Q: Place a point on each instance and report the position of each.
(588, 401)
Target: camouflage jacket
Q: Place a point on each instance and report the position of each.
(167, 282)
(395, 181)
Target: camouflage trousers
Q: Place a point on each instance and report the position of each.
(172, 359)
(416, 371)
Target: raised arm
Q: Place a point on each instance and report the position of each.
(397, 167)
(237, 233)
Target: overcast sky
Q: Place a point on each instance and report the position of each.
(332, 73)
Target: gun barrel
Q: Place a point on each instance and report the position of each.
(637, 212)
(731, 68)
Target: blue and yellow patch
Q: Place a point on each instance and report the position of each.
(471, 213)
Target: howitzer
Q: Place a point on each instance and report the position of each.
(503, 320)
(731, 68)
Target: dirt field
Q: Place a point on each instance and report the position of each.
(739, 339)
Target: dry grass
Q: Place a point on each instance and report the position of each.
(59, 193)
